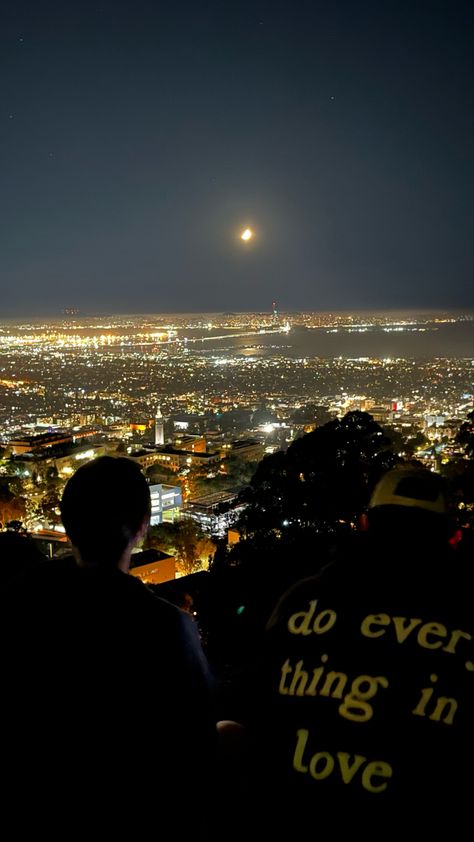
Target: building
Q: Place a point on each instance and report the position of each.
(145, 457)
(166, 503)
(66, 461)
(233, 537)
(206, 511)
(175, 459)
(53, 543)
(27, 444)
(434, 420)
(159, 428)
(153, 566)
(380, 414)
(249, 450)
(194, 444)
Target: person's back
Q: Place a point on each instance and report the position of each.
(115, 658)
(363, 696)
(113, 693)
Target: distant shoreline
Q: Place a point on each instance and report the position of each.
(457, 312)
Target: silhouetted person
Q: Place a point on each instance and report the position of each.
(114, 693)
(360, 712)
(19, 557)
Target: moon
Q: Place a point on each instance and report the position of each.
(246, 235)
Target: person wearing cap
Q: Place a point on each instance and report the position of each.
(361, 706)
(411, 502)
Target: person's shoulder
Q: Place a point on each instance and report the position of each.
(299, 594)
(350, 564)
(140, 591)
(154, 607)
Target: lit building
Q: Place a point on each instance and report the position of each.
(379, 414)
(434, 420)
(248, 449)
(175, 459)
(146, 457)
(194, 444)
(206, 512)
(26, 444)
(166, 503)
(159, 428)
(138, 427)
(66, 462)
(153, 566)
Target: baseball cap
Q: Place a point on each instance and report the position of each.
(410, 487)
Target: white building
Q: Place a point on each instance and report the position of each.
(166, 503)
(159, 427)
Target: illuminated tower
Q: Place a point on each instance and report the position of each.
(274, 311)
(159, 428)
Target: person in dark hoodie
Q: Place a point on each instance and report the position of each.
(114, 700)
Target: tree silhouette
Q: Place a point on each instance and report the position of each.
(322, 482)
(459, 473)
(15, 526)
(465, 436)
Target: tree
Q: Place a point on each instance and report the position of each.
(161, 473)
(416, 442)
(12, 507)
(323, 481)
(465, 435)
(161, 537)
(396, 441)
(50, 507)
(185, 540)
(239, 471)
(311, 414)
(52, 477)
(459, 473)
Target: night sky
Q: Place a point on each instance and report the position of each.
(139, 138)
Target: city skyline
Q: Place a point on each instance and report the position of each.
(197, 400)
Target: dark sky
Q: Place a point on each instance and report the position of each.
(139, 138)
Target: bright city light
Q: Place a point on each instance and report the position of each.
(247, 234)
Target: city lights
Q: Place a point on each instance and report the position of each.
(92, 387)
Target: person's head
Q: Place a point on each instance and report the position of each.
(409, 504)
(105, 509)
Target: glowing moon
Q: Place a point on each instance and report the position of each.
(247, 234)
